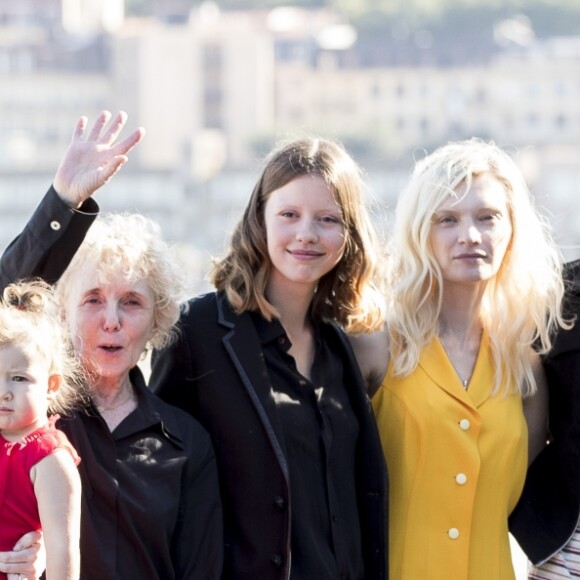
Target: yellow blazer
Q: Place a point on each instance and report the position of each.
(457, 462)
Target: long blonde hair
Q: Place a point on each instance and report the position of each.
(522, 303)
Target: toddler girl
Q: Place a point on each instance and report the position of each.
(39, 483)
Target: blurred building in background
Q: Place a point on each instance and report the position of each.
(216, 89)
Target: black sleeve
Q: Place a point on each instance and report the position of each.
(197, 544)
(548, 509)
(48, 242)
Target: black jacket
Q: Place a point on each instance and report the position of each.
(549, 508)
(217, 373)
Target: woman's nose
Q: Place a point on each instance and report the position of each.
(470, 234)
(306, 232)
(112, 320)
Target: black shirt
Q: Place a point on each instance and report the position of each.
(320, 440)
(150, 507)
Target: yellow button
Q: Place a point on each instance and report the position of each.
(453, 533)
(461, 479)
(55, 225)
(464, 424)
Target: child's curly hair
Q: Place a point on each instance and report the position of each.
(29, 319)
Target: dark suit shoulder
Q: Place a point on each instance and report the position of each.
(198, 316)
(571, 275)
(214, 310)
(198, 305)
(572, 271)
(569, 340)
(336, 334)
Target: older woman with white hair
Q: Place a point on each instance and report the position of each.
(151, 506)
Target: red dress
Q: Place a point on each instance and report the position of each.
(18, 506)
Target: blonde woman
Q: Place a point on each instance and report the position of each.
(474, 283)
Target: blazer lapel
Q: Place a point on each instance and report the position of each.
(243, 347)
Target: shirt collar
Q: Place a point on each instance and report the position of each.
(149, 413)
(269, 330)
(272, 330)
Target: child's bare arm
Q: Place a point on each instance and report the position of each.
(58, 491)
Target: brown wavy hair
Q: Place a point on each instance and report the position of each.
(348, 293)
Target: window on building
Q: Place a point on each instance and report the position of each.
(560, 121)
(560, 88)
(480, 95)
(532, 120)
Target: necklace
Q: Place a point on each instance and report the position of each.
(102, 408)
(464, 382)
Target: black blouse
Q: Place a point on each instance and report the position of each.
(320, 440)
(150, 494)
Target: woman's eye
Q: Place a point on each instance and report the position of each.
(91, 300)
(328, 219)
(19, 379)
(288, 214)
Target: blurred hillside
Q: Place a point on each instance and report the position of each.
(448, 18)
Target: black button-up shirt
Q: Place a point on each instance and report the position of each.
(320, 440)
(151, 507)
